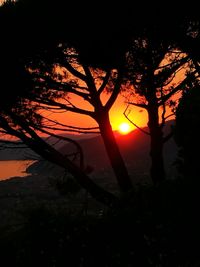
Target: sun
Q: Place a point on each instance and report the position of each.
(124, 128)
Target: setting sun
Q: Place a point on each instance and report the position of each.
(124, 128)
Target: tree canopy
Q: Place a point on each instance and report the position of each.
(62, 38)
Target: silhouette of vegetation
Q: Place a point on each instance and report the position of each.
(187, 38)
(51, 68)
(22, 117)
(187, 119)
(57, 83)
(158, 228)
(156, 73)
(41, 69)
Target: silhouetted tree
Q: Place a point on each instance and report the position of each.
(21, 114)
(186, 135)
(54, 82)
(188, 37)
(155, 67)
(39, 82)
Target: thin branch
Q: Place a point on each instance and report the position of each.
(170, 115)
(64, 107)
(49, 153)
(72, 70)
(79, 148)
(175, 90)
(70, 126)
(137, 105)
(172, 63)
(78, 93)
(89, 79)
(70, 103)
(105, 81)
(56, 110)
(126, 116)
(172, 72)
(114, 93)
(168, 81)
(176, 52)
(69, 130)
(95, 100)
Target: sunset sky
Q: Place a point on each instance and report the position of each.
(116, 115)
(137, 115)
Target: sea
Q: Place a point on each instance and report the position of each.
(13, 168)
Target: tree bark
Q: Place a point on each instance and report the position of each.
(114, 154)
(157, 170)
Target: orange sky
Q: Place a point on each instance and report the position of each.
(137, 115)
(116, 115)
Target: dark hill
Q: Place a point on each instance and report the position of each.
(14, 151)
(134, 148)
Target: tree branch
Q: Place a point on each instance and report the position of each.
(49, 153)
(70, 126)
(173, 63)
(81, 94)
(172, 92)
(137, 105)
(126, 116)
(105, 81)
(63, 106)
(76, 144)
(114, 93)
(69, 130)
(72, 70)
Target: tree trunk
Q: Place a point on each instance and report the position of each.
(114, 155)
(51, 154)
(86, 182)
(156, 147)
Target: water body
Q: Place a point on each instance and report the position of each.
(11, 168)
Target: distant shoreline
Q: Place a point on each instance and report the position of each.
(14, 168)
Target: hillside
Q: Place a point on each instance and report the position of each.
(35, 189)
(15, 152)
(134, 148)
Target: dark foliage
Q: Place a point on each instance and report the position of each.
(187, 135)
(160, 228)
(101, 32)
